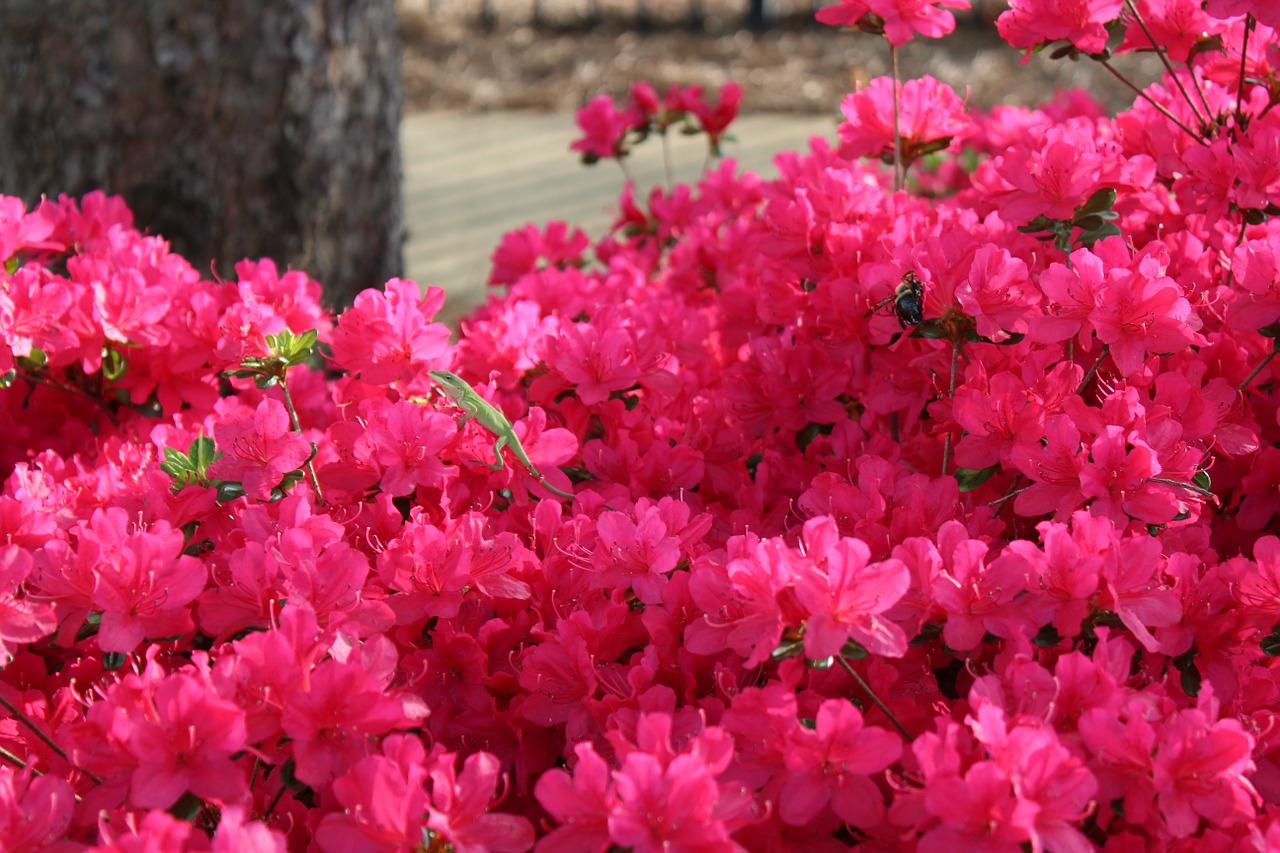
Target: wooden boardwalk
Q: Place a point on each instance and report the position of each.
(471, 177)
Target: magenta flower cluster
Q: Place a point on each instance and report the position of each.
(942, 519)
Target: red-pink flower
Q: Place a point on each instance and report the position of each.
(903, 19)
(663, 806)
(1141, 312)
(258, 450)
(384, 801)
(1176, 25)
(604, 127)
(388, 336)
(458, 809)
(22, 620)
(35, 812)
(846, 594)
(185, 743)
(581, 803)
(1029, 23)
(930, 116)
(833, 763)
(715, 120)
(333, 718)
(1200, 770)
(143, 583)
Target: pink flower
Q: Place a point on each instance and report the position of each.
(604, 127)
(332, 718)
(1030, 23)
(976, 812)
(388, 336)
(903, 19)
(846, 595)
(35, 812)
(581, 803)
(406, 439)
(258, 450)
(237, 835)
(185, 743)
(1176, 25)
(665, 806)
(931, 116)
(384, 801)
(1143, 311)
(846, 13)
(22, 620)
(143, 583)
(832, 763)
(715, 120)
(458, 809)
(1200, 770)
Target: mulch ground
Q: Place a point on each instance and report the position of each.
(575, 49)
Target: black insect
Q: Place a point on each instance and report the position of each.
(908, 301)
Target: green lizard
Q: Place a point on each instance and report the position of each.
(482, 412)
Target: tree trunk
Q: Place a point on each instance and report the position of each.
(234, 128)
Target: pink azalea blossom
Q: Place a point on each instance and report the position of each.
(1029, 23)
(258, 450)
(833, 764)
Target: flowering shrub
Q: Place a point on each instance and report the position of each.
(940, 519)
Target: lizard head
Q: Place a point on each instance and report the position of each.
(453, 385)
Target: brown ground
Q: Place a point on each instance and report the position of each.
(453, 60)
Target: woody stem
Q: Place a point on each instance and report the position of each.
(1158, 107)
(297, 427)
(866, 688)
(897, 131)
(22, 718)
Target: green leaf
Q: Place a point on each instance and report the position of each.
(187, 807)
(229, 490)
(114, 364)
(1202, 480)
(33, 361)
(787, 649)
(1100, 202)
(1186, 665)
(288, 777)
(113, 660)
(1047, 637)
(1271, 642)
(202, 453)
(970, 478)
(821, 663)
(928, 632)
(7, 379)
(11, 265)
(853, 650)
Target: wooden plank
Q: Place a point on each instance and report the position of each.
(469, 178)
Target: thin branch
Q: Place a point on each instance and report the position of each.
(1265, 361)
(874, 698)
(666, 160)
(999, 501)
(297, 427)
(1164, 58)
(1191, 487)
(897, 131)
(951, 395)
(1159, 107)
(1244, 63)
(1088, 377)
(22, 718)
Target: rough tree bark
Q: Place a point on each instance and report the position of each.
(234, 128)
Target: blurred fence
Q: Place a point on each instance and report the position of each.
(656, 14)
